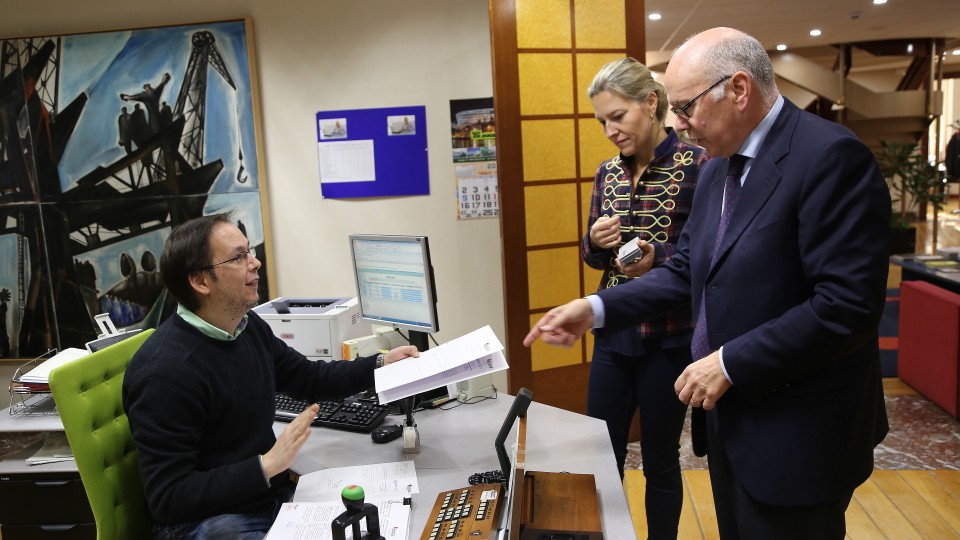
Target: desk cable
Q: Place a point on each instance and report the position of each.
(489, 477)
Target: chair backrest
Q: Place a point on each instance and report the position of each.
(87, 392)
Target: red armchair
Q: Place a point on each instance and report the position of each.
(929, 347)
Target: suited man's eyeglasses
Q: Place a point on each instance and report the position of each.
(681, 112)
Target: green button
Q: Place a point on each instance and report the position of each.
(352, 492)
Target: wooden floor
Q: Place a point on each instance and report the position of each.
(890, 504)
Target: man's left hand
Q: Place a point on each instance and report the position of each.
(702, 383)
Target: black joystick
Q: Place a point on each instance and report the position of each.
(357, 510)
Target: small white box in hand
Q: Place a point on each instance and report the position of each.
(630, 251)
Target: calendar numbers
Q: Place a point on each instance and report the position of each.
(477, 192)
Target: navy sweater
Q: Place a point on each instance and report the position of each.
(201, 411)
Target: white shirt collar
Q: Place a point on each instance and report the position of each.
(751, 146)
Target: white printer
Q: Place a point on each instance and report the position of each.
(316, 327)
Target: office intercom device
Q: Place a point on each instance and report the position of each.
(535, 505)
(517, 410)
(559, 505)
(469, 512)
(458, 513)
(549, 505)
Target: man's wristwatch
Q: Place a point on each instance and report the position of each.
(379, 363)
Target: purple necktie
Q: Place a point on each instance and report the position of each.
(700, 345)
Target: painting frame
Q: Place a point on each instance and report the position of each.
(108, 140)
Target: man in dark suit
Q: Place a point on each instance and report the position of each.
(786, 276)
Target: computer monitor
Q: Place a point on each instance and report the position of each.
(395, 283)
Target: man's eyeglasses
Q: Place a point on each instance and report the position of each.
(239, 260)
(681, 112)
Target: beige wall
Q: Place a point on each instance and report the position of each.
(344, 54)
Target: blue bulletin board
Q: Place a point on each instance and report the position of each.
(373, 152)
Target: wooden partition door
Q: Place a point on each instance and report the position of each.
(545, 53)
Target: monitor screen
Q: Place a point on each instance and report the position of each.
(395, 282)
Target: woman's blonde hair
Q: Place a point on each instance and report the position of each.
(630, 79)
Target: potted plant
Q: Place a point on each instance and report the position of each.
(913, 182)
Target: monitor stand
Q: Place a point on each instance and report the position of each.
(411, 437)
(420, 339)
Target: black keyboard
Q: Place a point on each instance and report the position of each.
(354, 413)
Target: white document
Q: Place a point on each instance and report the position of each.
(347, 161)
(468, 356)
(379, 481)
(40, 374)
(312, 520)
(317, 502)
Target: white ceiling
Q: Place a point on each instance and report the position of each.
(782, 21)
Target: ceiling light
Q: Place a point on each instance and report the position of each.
(654, 16)
(909, 48)
(815, 32)
(782, 47)
(956, 52)
(878, 2)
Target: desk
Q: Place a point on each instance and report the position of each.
(915, 270)
(41, 501)
(458, 442)
(454, 444)
(14, 463)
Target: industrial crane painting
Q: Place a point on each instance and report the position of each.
(107, 142)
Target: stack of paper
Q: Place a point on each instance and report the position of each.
(40, 374)
(317, 501)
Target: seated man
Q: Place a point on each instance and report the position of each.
(200, 393)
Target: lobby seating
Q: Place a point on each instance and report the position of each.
(929, 343)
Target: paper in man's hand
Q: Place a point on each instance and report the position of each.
(468, 356)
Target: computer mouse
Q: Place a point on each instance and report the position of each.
(386, 434)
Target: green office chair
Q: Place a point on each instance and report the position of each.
(87, 392)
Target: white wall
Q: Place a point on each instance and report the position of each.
(315, 55)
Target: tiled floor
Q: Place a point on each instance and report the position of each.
(922, 436)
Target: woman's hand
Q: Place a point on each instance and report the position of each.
(605, 232)
(641, 265)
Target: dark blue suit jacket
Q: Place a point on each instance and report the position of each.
(794, 296)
